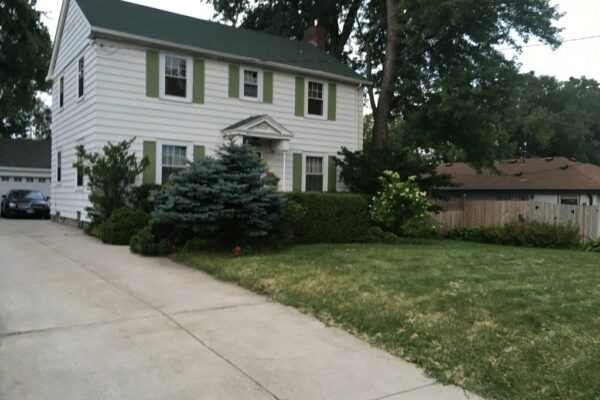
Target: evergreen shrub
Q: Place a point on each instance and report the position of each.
(122, 225)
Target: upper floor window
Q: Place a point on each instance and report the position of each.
(173, 160)
(5, 179)
(80, 75)
(29, 179)
(314, 174)
(176, 77)
(315, 98)
(61, 92)
(251, 84)
(59, 166)
(42, 180)
(18, 179)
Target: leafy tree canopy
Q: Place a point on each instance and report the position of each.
(435, 64)
(25, 51)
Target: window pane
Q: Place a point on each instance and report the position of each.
(81, 74)
(175, 87)
(315, 90)
(250, 90)
(175, 76)
(571, 200)
(251, 77)
(315, 107)
(314, 183)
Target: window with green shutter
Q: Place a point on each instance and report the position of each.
(268, 87)
(198, 152)
(149, 174)
(331, 100)
(234, 81)
(297, 172)
(152, 72)
(331, 175)
(299, 109)
(198, 90)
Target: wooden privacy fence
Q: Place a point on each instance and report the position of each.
(475, 213)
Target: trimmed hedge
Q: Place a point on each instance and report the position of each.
(122, 225)
(326, 218)
(527, 234)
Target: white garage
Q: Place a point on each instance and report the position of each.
(25, 164)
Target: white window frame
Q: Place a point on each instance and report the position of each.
(83, 180)
(325, 99)
(259, 97)
(325, 169)
(159, 145)
(81, 77)
(189, 77)
(569, 196)
(59, 164)
(61, 92)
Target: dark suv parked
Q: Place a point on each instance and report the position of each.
(25, 203)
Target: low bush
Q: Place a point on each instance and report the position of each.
(122, 225)
(591, 245)
(144, 242)
(528, 234)
(325, 218)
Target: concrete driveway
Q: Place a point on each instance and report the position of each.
(81, 320)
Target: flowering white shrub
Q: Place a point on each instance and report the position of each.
(400, 203)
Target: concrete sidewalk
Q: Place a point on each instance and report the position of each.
(82, 320)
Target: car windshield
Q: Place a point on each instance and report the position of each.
(27, 195)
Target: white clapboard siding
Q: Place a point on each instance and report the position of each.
(125, 111)
(115, 107)
(74, 123)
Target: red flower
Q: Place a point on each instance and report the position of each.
(237, 251)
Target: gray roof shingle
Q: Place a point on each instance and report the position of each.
(21, 153)
(162, 26)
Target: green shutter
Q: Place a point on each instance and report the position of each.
(268, 87)
(152, 73)
(297, 173)
(331, 175)
(198, 92)
(299, 97)
(149, 175)
(234, 81)
(198, 152)
(332, 100)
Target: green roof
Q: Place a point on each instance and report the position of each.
(162, 26)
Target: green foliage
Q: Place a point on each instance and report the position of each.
(361, 170)
(419, 227)
(165, 247)
(325, 218)
(450, 82)
(141, 197)
(111, 177)
(400, 202)
(25, 50)
(591, 245)
(122, 225)
(557, 118)
(527, 234)
(144, 242)
(229, 198)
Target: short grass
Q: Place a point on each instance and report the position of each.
(504, 322)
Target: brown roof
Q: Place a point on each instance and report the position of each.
(556, 173)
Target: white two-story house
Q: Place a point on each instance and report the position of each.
(181, 86)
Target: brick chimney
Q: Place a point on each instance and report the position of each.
(316, 35)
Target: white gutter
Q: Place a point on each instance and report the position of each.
(112, 34)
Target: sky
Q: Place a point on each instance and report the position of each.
(577, 57)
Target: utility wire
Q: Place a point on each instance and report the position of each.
(544, 44)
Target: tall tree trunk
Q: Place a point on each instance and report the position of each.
(381, 114)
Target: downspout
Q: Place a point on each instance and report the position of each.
(356, 144)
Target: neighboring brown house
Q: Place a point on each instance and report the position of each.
(555, 180)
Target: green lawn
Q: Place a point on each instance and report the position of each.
(504, 322)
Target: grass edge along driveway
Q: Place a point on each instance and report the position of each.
(503, 322)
